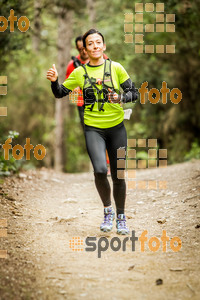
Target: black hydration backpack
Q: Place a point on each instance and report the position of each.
(90, 84)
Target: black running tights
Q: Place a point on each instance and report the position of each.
(97, 141)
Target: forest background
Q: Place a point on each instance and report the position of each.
(34, 113)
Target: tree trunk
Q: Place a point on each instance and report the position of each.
(65, 19)
(36, 25)
(91, 12)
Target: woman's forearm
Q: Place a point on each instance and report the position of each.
(59, 90)
(130, 92)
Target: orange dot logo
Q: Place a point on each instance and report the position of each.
(76, 244)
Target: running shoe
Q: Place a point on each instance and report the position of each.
(121, 224)
(109, 216)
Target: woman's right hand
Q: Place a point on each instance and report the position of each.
(52, 73)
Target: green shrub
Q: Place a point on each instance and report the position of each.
(7, 167)
(194, 152)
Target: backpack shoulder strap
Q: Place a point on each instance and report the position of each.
(107, 72)
(76, 61)
(107, 68)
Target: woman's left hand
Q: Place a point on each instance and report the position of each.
(113, 97)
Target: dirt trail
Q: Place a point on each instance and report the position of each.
(45, 210)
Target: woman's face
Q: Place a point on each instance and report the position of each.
(95, 46)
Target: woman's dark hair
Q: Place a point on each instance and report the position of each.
(91, 31)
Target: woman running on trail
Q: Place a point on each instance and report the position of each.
(100, 81)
